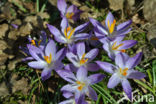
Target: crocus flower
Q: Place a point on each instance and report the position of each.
(68, 35)
(14, 26)
(47, 60)
(110, 30)
(70, 12)
(83, 59)
(113, 47)
(40, 43)
(80, 84)
(123, 70)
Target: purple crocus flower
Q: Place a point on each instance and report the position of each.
(113, 47)
(67, 35)
(83, 59)
(70, 12)
(123, 70)
(110, 30)
(40, 43)
(80, 84)
(47, 60)
(15, 26)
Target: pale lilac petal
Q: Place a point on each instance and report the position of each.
(92, 54)
(106, 66)
(37, 64)
(80, 47)
(124, 25)
(81, 36)
(92, 94)
(64, 24)
(67, 94)
(67, 75)
(61, 54)
(35, 51)
(72, 9)
(123, 32)
(128, 44)
(127, 88)
(120, 60)
(27, 58)
(50, 49)
(92, 67)
(95, 78)
(81, 74)
(133, 61)
(119, 38)
(133, 74)
(62, 6)
(109, 18)
(79, 98)
(94, 22)
(70, 101)
(71, 68)
(114, 81)
(68, 88)
(57, 65)
(102, 30)
(46, 74)
(81, 27)
(71, 57)
(57, 34)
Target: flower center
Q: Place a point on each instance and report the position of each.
(124, 71)
(111, 26)
(48, 59)
(115, 47)
(81, 85)
(70, 15)
(83, 60)
(67, 30)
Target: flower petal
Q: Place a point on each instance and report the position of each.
(46, 74)
(94, 22)
(67, 75)
(72, 9)
(120, 60)
(68, 88)
(92, 94)
(37, 64)
(92, 67)
(61, 54)
(114, 81)
(57, 34)
(109, 18)
(62, 6)
(106, 66)
(64, 24)
(133, 74)
(127, 88)
(81, 36)
(81, 74)
(71, 68)
(81, 27)
(133, 61)
(124, 25)
(80, 47)
(95, 78)
(72, 58)
(92, 54)
(128, 44)
(50, 49)
(67, 94)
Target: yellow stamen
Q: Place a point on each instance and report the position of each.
(48, 59)
(33, 42)
(81, 85)
(69, 15)
(111, 26)
(123, 72)
(39, 42)
(83, 60)
(66, 32)
(115, 47)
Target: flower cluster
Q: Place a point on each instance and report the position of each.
(44, 55)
